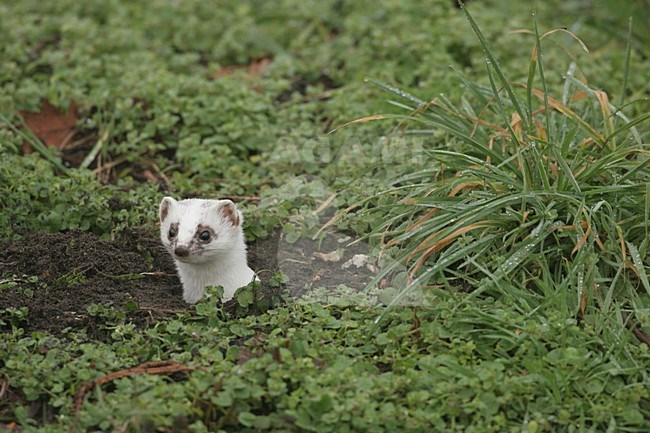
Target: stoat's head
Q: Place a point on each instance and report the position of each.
(197, 231)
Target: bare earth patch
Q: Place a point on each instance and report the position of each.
(76, 269)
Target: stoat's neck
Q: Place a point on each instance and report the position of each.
(228, 270)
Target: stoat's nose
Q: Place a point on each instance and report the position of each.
(182, 251)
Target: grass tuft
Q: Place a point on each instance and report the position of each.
(537, 197)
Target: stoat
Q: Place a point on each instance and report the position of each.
(206, 240)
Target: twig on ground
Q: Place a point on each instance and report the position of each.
(156, 274)
(14, 280)
(154, 367)
(163, 310)
(4, 385)
(634, 327)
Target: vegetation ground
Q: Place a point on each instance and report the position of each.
(489, 171)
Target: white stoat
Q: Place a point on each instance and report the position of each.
(206, 240)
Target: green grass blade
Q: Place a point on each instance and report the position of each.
(642, 166)
(520, 255)
(465, 137)
(480, 93)
(444, 261)
(629, 125)
(396, 91)
(530, 83)
(626, 68)
(566, 170)
(493, 61)
(542, 167)
(93, 152)
(502, 110)
(638, 263)
(547, 111)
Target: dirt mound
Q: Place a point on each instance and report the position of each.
(58, 275)
(76, 269)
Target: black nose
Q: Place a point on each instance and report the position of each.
(182, 251)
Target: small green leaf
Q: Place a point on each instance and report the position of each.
(245, 297)
(246, 419)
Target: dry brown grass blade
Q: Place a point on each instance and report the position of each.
(478, 121)
(583, 302)
(541, 131)
(361, 120)
(584, 144)
(469, 185)
(566, 31)
(440, 244)
(335, 218)
(422, 245)
(493, 138)
(418, 223)
(608, 120)
(480, 114)
(630, 265)
(517, 126)
(423, 219)
(583, 239)
(579, 95)
(325, 203)
(549, 33)
(557, 105)
(566, 227)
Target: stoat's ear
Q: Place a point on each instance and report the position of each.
(166, 204)
(230, 212)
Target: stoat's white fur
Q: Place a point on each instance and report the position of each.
(219, 260)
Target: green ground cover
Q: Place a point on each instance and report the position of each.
(514, 191)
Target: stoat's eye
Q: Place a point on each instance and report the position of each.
(172, 232)
(204, 235)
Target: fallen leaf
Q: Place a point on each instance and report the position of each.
(258, 66)
(372, 268)
(150, 176)
(52, 126)
(332, 257)
(358, 261)
(255, 68)
(318, 275)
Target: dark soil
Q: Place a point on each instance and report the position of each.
(76, 269)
